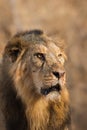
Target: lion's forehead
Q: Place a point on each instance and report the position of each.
(47, 48)
(52, 47)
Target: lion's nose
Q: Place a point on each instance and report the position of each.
(59, 74)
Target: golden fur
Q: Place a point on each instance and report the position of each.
(33, 57)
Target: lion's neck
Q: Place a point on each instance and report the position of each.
(46, 116)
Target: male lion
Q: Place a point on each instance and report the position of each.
(33, 88)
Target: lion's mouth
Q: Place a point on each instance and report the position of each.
(46, 91)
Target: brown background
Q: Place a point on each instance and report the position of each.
(59, 18)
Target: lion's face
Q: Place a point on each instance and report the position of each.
(46, 65)
(38, 69)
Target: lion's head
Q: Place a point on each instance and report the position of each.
(38, 62)
(36, 65)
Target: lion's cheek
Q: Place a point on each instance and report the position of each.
(37, 80)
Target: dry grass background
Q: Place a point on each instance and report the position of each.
(59, 18)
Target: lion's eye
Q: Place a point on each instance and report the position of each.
(40, 56)
(61, 58)
(59, 55)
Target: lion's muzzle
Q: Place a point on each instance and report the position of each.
(55, 87)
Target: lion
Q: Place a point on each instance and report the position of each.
(33, 90)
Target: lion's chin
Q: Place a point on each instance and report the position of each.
(52, 92)
(53, 96)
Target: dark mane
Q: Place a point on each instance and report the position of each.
(35, 32)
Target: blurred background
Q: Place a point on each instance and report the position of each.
(66, 19)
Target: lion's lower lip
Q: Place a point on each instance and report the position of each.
(46, 91)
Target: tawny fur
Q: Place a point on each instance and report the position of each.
(24, 74)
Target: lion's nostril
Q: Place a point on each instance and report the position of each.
(59, 74)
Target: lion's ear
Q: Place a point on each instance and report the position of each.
(12, 51)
